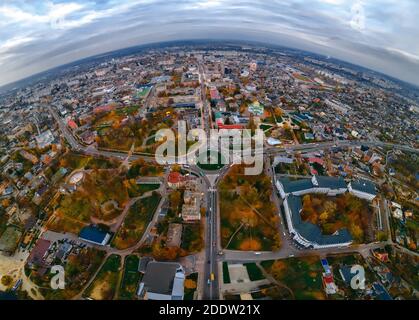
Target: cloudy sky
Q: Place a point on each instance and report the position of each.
(36, 35)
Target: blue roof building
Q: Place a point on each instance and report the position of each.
(308, 234)
(94, 235)
(363, 189)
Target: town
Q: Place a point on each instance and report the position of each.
(80, 185)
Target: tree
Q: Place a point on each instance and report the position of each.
(190, 284)
(357, 232)
(5, 203)
(175, 198)
(6, 280)
(203, 212)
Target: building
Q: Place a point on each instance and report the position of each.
(39, 253)
(308, 234)
(317, 184)
(44, 139)
(363, 189)
(174, 235)
(175, 180)
(163, 281)
(191, 208)
(94, 235)
(9, 240)
(256, 108)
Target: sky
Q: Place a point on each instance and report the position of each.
(37, 35)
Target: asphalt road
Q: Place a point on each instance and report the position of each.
(212, 259)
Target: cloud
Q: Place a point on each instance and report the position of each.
(37, 35)
(12, 43)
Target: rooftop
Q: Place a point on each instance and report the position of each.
(160, 277)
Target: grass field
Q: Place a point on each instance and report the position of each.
(105, 284)
(301, 275)
(192, 238)
(211, 165)
(130, 278)
(226, 274)
(136, 222)
(254, 272)
(136, 190)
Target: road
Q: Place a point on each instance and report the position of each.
(247, 256)
(212, 247)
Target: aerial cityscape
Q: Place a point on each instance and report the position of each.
(208, 169)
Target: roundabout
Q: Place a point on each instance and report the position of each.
(211, 161)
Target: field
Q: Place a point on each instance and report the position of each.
(249, 219)
(213, 161)
(104, 285)
(192, 238)
(136, 190)
(302, 277)
(136, 222)
(226, 274)
(74, 161)
(144, 169)
(130, 278)
(101, 196)
(254, 272)
(121, 132)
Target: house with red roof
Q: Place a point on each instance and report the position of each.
(72, 124)
(175, 180)
(39, 253)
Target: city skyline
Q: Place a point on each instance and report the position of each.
(38, 36)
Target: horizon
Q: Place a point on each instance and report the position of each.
(38, 37)
(190, 42)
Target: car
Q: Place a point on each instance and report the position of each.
(291, 256)
(258, 253)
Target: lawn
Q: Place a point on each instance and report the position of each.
(300, 275)
(192, 238)
(131, 278)
(140, 168)
(91, 200)
(226, 274)
(126, 132)
(136, 190)
(105, 284)
(77, 161)
(136, 222)
(212, 162)
(254, 272)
